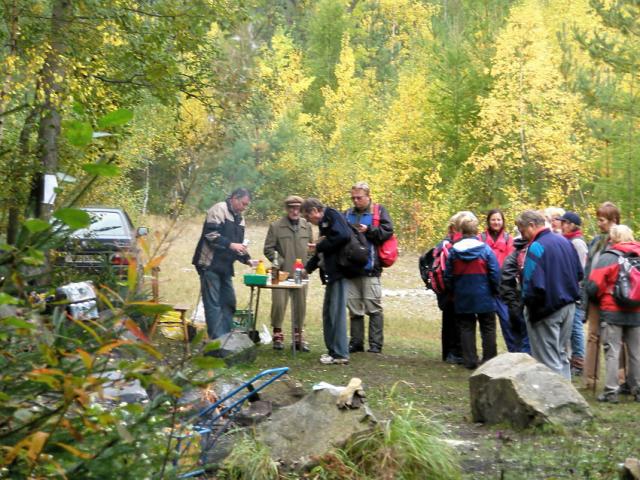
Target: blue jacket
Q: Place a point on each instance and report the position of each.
(551, 275)
(335, 234)
(375, 235)
(473, 276)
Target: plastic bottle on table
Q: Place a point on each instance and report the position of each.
(297, 271)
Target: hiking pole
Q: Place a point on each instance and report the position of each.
(597, 364)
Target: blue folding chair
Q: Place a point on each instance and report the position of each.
(211, 422)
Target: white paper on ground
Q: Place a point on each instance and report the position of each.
(327, 386)
(265, 336)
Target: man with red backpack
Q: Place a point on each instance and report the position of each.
(364, 291)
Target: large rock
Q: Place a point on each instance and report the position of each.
(120, 390)
(310, 428)
(283, 392)
(235, 347)
(515, 388)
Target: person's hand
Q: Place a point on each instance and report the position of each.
(239, 248)
(253, 263)
(311, 247)
(362, 228)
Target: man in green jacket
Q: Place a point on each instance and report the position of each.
(290, 236)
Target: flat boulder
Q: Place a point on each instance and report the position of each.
(516, 389)
(235, 347)
(310, 428)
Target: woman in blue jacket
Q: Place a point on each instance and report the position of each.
(473, 277)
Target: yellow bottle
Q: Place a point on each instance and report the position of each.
(260, 269)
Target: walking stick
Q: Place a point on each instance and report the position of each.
(597, 363)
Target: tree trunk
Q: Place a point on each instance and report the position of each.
(21, 168)
(53, 78)
(12, 43)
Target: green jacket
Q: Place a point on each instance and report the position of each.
(289, 242)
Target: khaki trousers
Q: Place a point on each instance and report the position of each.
(279, 301)
(591, 360)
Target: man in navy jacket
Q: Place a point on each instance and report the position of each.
(550, 288)
(334, 234)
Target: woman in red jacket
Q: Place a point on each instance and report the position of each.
(501, 244)
(617, 323)
(496, 237)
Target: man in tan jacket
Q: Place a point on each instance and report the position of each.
(290, 236)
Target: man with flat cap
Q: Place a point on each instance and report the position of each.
(290, 236)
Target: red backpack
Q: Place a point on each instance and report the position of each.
(626, 290)
(432, 265)
(388, 250)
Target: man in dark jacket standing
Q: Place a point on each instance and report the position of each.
(334, 234)
(220, 245)
(364, 292)
(550, 288)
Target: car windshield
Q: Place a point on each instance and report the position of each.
(103, 224)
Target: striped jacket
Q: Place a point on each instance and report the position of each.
(551, 275)
(221, 228)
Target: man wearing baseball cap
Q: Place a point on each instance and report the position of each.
(290, 236)
(571, 223)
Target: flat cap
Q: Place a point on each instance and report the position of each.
(293, 200)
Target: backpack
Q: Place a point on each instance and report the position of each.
(354, 254)
(432, 265)
(626, 290)
(387, 250)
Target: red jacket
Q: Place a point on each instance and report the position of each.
(601, 282)
(502, 246)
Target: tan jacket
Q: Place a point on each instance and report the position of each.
(289, 243)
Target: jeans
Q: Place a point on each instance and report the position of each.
(219, 300)
(577, 334)
(334, 319)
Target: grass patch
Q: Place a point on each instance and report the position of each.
(408, 446)
(249, 459)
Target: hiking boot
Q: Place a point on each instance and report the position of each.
(453, 359)
(608, 397)
(624, 389)
(278, 339)
(298, 341)
(353, 348)
(374, 349)
(302, 347)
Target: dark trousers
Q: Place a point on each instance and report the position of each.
(467, 322)
(450, 332)
(219, 300)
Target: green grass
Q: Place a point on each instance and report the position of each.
(410, 367)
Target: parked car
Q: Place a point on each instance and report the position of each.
(106, 244)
